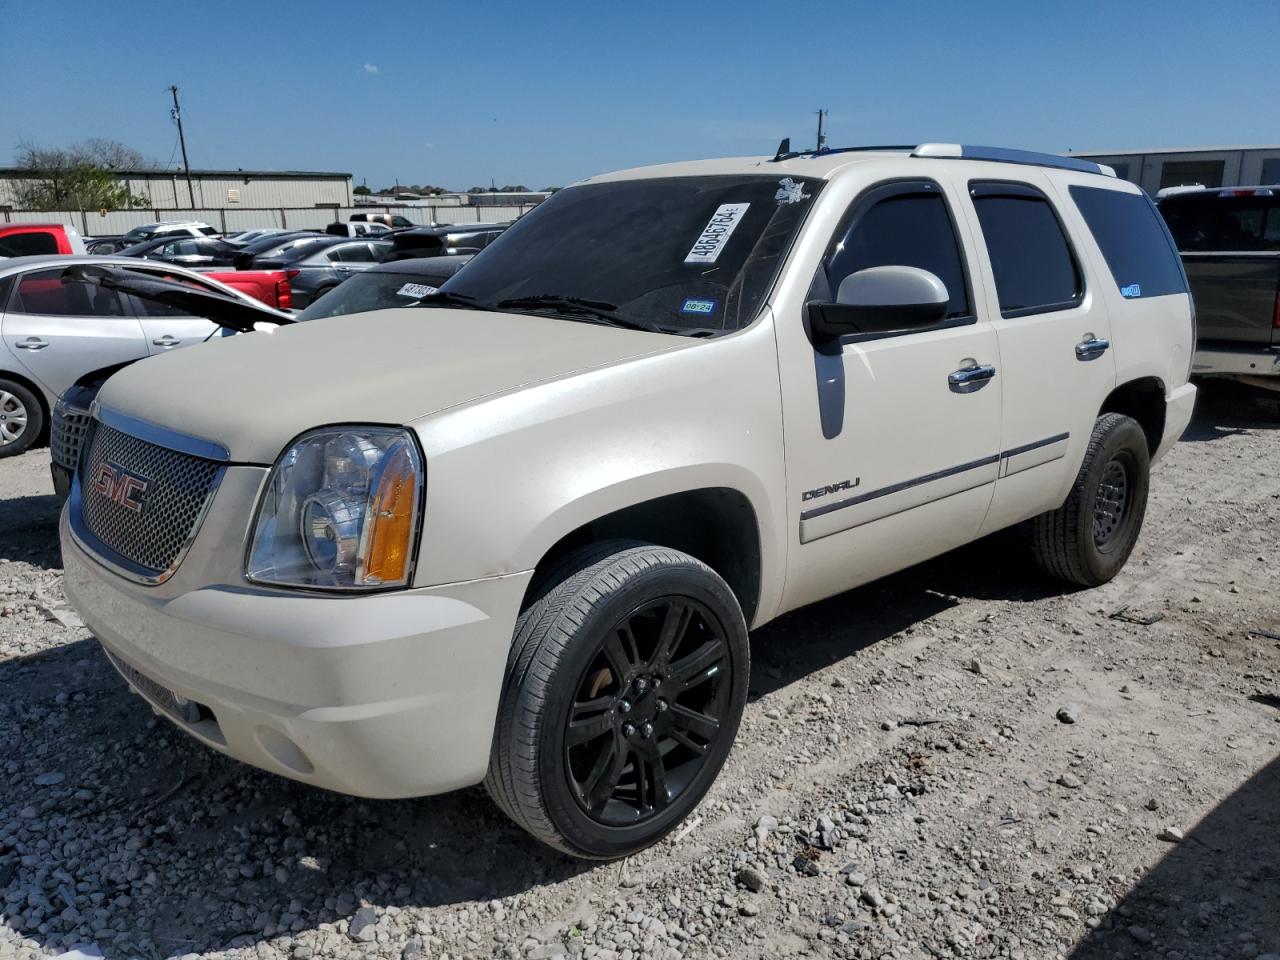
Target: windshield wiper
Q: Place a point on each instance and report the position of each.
(600, 310)
(447, 298)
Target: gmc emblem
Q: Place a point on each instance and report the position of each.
(120, 486)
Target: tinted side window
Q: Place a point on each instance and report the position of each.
(28, 245)
(43, 293)
(1209, 222)
(355, 253)
(1033, 266)
(1137, 248)
(911, 229)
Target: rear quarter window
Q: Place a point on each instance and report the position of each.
(34, 244)
(1133, 240)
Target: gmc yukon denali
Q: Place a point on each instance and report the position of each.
(1230, 244)
(519, 536)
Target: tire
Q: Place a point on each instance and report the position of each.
(652, 728)
(1088, 539)
(320, 293)
(21, 418)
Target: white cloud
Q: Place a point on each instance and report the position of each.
(370, 68)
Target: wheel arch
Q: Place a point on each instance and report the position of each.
(718, 525)
(1142, 399)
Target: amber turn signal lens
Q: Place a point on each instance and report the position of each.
(389, 534)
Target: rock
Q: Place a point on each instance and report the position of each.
(804, 866)
(752, 879)
(414, 949)
(1141, 934)
(873, 897)
(1153, 804)
(363, 924)
(1068, 713)
(855, 878)
(975, 666)
(749, 909)
(50, 779)
(1171, 835)
(1070, 781)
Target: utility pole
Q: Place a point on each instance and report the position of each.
(176, 113)
(822, 137)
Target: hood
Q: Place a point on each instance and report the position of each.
(254, 393)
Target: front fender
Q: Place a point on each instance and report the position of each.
(509, 476)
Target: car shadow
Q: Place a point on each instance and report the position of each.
(1216, 893)
(814, 637)
(196, 852)
(30, 528)
(1225, 408)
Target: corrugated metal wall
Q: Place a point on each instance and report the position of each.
(257, 192)
(233, 219)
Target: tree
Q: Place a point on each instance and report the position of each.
(362, 191)
(80, 177)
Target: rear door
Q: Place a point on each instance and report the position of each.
(60, 331)
(1054, 333)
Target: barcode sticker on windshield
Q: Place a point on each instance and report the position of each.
(717, 232)
(416, 290)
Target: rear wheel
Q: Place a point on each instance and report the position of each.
(625, 686)
(21, 418)
(1088, 539)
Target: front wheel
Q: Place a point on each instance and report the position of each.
(1088, 539)
(624, 689)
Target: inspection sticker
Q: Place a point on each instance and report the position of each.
(717, 232)
(416, 290)
(1132, 290)
(701, 307)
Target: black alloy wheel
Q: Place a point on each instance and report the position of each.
(647, 710)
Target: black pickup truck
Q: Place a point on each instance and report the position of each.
(1229, 239)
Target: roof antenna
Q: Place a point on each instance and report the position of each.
(783, 149)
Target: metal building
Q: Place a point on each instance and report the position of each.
(1153, 170)
(167, 189)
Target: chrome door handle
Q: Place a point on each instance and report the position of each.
(1091, 347)
(969, 379)
(32, 343)
(166, 341)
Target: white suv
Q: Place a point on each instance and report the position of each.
(518, 537)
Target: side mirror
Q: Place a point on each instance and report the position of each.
(894, 299)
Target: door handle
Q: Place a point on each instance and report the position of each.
(167, 340)
(969, 379)
(1091, 347)
(32, 343)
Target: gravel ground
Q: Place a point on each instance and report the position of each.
(963, 760)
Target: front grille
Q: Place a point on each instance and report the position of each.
(66, 435)
(141, 500)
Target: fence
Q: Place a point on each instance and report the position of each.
(91, 223)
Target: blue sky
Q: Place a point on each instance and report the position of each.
(458, 94)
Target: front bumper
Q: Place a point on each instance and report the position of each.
(383, 695)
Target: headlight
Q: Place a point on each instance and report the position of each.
(339, 512)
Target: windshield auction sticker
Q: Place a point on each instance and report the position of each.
(717, 233)
(416, 290)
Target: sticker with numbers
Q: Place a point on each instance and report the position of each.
(416, 290)
(717, 233)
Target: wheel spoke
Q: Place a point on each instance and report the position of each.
(629, 646)
(616, 654)
(589, 720)
(603, 779)
(698, 666)
(684, 739)
(674, 626)
(657, 777)
(694, 722)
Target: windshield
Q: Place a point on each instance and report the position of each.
(372, 291)
(1202, 222)
(138, 234)
(690, 255)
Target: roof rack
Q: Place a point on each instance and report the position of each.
(956, 151)
(960, 151)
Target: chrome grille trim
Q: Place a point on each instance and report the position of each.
(66, 435)
(146, 546)
(161, 436)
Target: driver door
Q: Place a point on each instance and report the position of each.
(893, 444)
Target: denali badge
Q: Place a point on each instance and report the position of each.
(120, 486)
(830, 488)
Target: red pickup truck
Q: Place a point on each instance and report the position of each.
(35, 239)
(269, 286)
